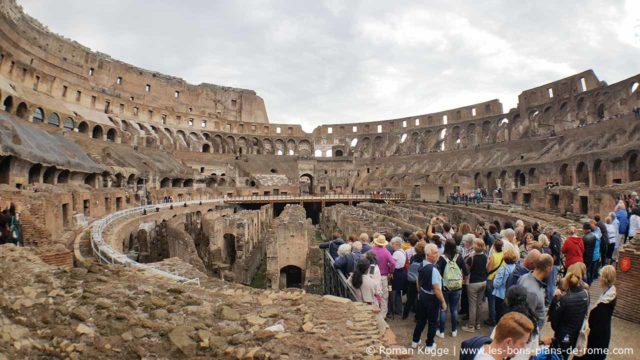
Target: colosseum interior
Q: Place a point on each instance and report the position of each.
(154, 210)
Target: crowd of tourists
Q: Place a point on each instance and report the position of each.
(10, 228)
(499, 269)
(475, 196)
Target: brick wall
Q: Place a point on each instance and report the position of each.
(627, 286)
(62, 259)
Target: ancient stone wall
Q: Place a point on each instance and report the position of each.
(288, 244)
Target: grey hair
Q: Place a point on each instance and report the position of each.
(356, 246)
(468, 238)
(519, 223)
(509, 233)
(430, 247)
(396, 240)
(364, 238)
(344, 249)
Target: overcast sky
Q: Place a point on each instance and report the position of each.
(333, 61)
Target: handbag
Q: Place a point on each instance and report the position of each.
(581, 343)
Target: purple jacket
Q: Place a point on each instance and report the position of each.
(386, 263)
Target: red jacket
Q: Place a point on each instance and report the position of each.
(573, 248)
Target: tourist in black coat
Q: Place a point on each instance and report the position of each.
(600, 317)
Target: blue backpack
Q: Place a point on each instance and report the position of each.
(470, 347)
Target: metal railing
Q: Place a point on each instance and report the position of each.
(334, 281)
(318, 197)
(105, 253)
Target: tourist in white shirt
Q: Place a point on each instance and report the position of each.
(399, 280)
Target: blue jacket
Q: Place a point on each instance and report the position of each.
(623, 217)
(500, 281)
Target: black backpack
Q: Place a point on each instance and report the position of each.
(470, 347)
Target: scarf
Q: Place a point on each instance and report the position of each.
(608, 296)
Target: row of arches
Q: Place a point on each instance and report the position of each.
(39, 116)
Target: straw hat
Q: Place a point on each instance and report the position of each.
(380, 241)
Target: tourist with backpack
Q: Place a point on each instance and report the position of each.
(510, 338)
(477, 265)
(430, 299)
(454, 273)
(416, 262)
(500, 281)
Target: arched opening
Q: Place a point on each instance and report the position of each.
(177, 182)
(97, 132)
(49, 176)
(5, 170)
(599, 173)
(206, 148)
(34, 173)
(63, 177)
(306, 184)
(68, 124)
(229, 249)
(533, 176)
(634, 87)
(165, 183)
(8, 104)
(111, 135)
(22, 111)
(318, 153)
(403, 138)
(565, 175)
(339, 153)
(582, 174)
(354, 142)
(601, 111)
(188, 183)
(38, 115)
(519, 178)
(90, 180)
(53, 119)
(290, 277)
(83, 127)
(634, 168)
(328, 153)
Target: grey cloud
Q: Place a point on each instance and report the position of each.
(332, 61)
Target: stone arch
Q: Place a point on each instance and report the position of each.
(519, 179)
(49, 176)
(97, 132)
(533, 176)
(165, 183)
(486, 132)
(267, 147)
(231, 144)
(63, 177)
(601, 112)
(68, 124)
(38, 115)
(292, 148)
(582, 173)
(22, 111)
(291, 276)
(566, 177)
(599, 173)
(53, 119)
(471, 135)
(305, 148)
(112, 135)
(83, 127)
(34, 173)
(8, 104)
(242, 146)
(206, 148)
